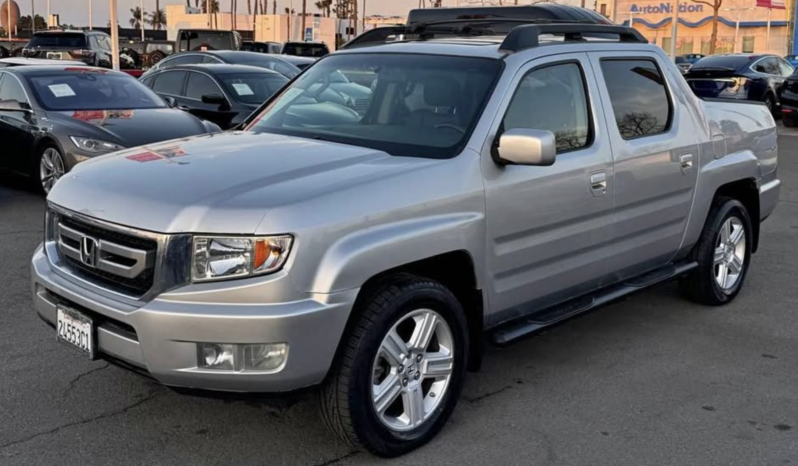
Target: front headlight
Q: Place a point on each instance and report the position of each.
(94, 146)
(219, 258)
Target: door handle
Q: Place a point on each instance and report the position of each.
(598, 183)
(686, 161)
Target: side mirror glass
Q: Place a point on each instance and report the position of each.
(522, 146)
(170, 101)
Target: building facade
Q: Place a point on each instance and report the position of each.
(742, 26)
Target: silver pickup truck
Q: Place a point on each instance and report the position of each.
(489, 186)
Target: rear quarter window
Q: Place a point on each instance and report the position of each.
(639, 97)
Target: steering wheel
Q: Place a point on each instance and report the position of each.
(450, 126)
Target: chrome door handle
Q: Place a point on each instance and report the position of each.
(687, 161)
(598, 183)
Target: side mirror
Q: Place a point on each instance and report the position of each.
(213, 99)
(170, 101)
(527, 147)
(13, 106)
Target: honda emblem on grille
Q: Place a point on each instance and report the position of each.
(88, 251)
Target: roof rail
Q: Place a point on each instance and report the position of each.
(374, 36)
(528, 36)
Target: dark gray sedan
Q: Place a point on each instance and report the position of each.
(53, 117)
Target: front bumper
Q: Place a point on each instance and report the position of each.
(160, 336)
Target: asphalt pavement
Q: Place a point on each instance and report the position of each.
(652, 380)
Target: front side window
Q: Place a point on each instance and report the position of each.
(552, 99)
(92, 91)
(785, 68)
(12, 90)
(407, 105)
(639, 97)
(200, 85)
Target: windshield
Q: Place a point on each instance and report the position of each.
(305, 50)
(253, 88)
(722, 62)
(411, 105)
(92, 91)
(58, 40)
(206, 40)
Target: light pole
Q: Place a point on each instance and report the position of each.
(674, 30)
(32, 17)
(90, 25)
(141, 18)
(114, 35)
(48, 14)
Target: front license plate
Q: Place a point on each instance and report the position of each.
(54, 55)
(75, 329)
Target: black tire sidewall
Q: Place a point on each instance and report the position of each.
(730, 208)
(365, 421)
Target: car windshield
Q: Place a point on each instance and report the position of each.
(305, 50)
(409, 105)
(92, 91)
(210, 40)
(253, 88)
(58, 40)
(722, 62)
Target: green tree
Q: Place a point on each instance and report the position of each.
(24, 23)
(135, 21)
(157, 19)
(325, 6)
(214, 6)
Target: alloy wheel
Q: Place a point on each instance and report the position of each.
(412, 370)
(51, 168)
(730, 253)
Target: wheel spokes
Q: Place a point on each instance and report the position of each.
(725, 232)
(438, 365)
(394, 348)
(723, 274)
(413, 401)
(720, 255)
(425, 329)
(735, 265)
(387, 392)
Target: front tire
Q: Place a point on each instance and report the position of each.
(50, 168)
(723, 254)
(402, 368)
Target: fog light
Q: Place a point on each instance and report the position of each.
(213, 356)
(264, 357)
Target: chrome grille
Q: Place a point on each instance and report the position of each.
(118, 261)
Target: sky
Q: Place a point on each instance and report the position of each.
(77, 11)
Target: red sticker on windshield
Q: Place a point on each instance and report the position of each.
(144, 157)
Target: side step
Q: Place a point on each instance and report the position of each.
(543, 318)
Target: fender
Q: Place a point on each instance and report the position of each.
(355, 258)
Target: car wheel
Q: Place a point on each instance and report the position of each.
(51, 168)
(156, 57)
(723, 254)
(401, 369)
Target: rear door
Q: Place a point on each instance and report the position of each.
(548, 228)
(655, 151)
(199, 85)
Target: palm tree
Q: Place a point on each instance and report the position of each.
(249, 7)
(157, 19)
(214, 6)
(324, 7)
(135, 21)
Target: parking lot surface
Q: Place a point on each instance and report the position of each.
(652, 380)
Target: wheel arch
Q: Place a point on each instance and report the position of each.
(747, 193)
(456, 271)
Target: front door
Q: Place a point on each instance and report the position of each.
(549, 227)
(654, 143)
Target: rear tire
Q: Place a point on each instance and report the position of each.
(386, 394)
(723, 254)
(770, 103)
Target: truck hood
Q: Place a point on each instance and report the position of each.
(222, 183)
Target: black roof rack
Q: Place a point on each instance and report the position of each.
(528, 36)
(540, 11)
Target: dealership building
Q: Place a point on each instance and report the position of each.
(740, 19)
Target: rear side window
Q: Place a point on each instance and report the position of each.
(639, 97)
(170, 83)
(553, 99)
(190, 59)
(12, 90)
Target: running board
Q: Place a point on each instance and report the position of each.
(541, 319)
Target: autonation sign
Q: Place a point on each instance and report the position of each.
(666, 8)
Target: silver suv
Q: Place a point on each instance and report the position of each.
(490, 185)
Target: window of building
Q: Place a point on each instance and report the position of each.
(666, 44)
(603, 9)
(639, 97)
(553, 99)
(748, 44)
